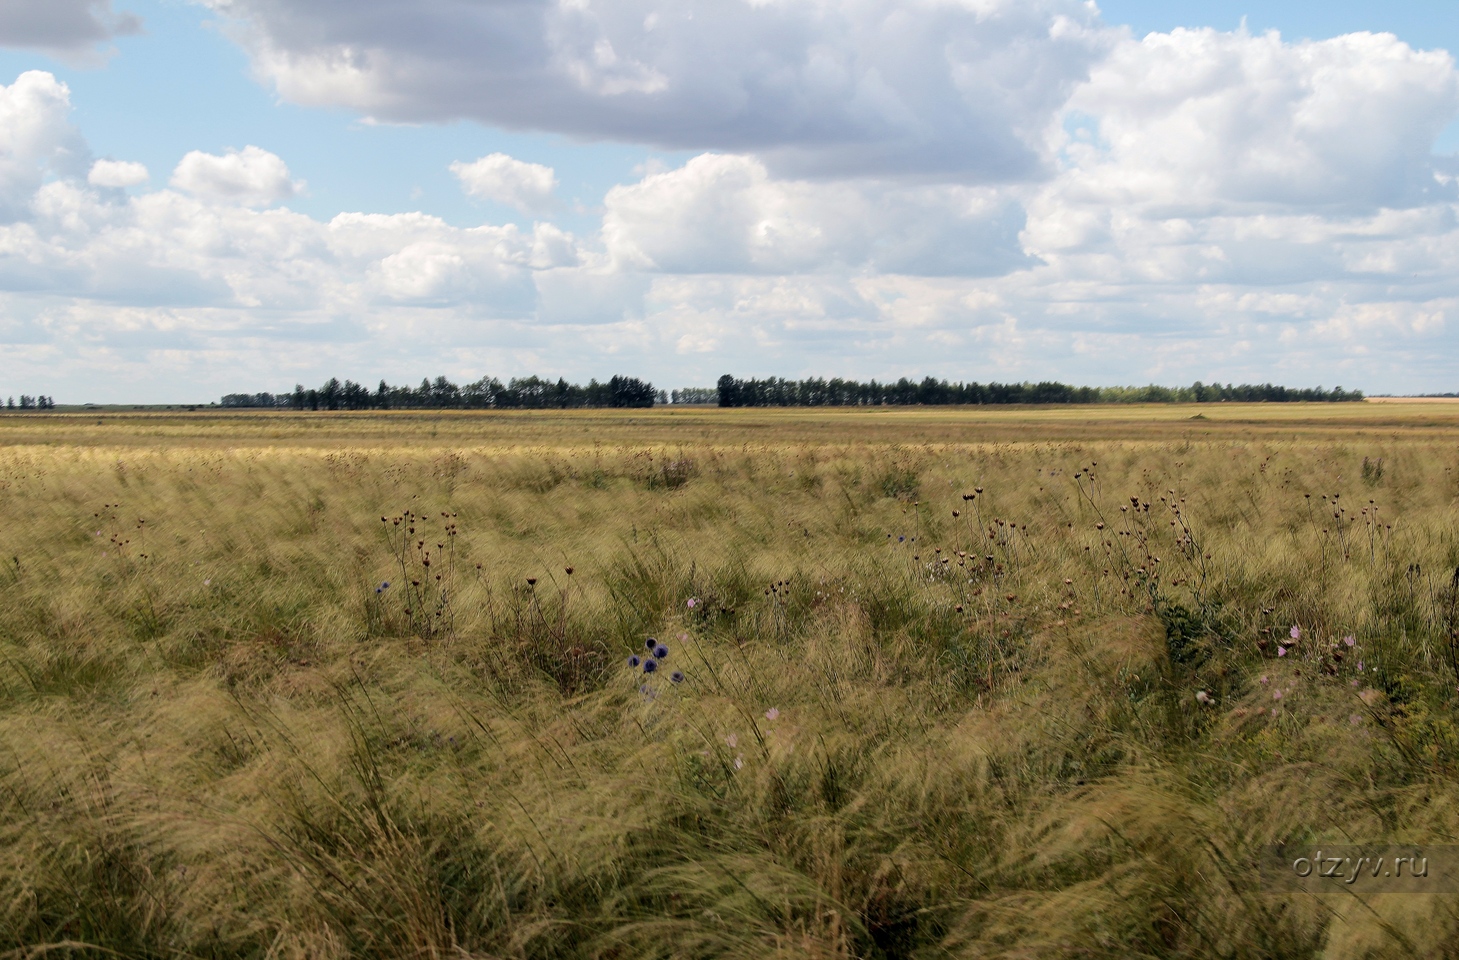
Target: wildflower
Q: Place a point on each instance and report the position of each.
(901, 539)
(1350, 640)
(649, 644)
(649, 666)
(661, 651)
(1204, 697)
(1355, 719)
(633, 661)
(1360, 666)
(683, 637)
(732, 741)
(693, 602)
(1263, 678)
(1281, 651)
(1353, 684)
(1276, 694)
(772, 714)
(1295, 633)
(739, 761)
(208, 582)
(677, 676)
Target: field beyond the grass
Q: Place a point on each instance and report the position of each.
(938, 682)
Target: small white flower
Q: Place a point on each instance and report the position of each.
(739, 761)
(1204, 697)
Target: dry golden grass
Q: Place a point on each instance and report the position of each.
(902, 732)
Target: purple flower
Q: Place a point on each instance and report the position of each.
(661, 651)
(1281, 651)
(633, 661)
(649, 644)
(677, 676)
(1349, 640)
(693, 602)
(1295, 633)
(772, 714)
(649, 666)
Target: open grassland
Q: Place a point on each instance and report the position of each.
(956, 683)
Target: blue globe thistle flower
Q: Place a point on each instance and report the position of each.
(649, 666)
(649, 644)
(661, 651)
(633, 661)
(677, 676)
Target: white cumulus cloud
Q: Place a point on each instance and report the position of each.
(728, 214)
(36, 138)
(251, 176)
(1202, 120)
(526, 186)
(117, 173)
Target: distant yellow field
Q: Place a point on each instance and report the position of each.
(571, 429)
(939, 682)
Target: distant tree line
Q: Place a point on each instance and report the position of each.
(817, 392)
(488, 393)
(28, 402)
(695, 395)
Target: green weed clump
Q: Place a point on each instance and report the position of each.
(911, 698)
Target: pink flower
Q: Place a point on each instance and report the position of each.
(1276, 694)
(1349, 640)
(693, 603)
(1281, 651)
(772, 714)
(1360, 666)
(732, 741)
(1263, 678)
(1295, 633)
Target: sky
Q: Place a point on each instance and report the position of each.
(200, 197)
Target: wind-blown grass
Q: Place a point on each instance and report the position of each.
(901, 732)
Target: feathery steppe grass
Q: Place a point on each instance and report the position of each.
(902, 732)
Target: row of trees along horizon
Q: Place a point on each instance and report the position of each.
(528, 393)
(27, 402)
